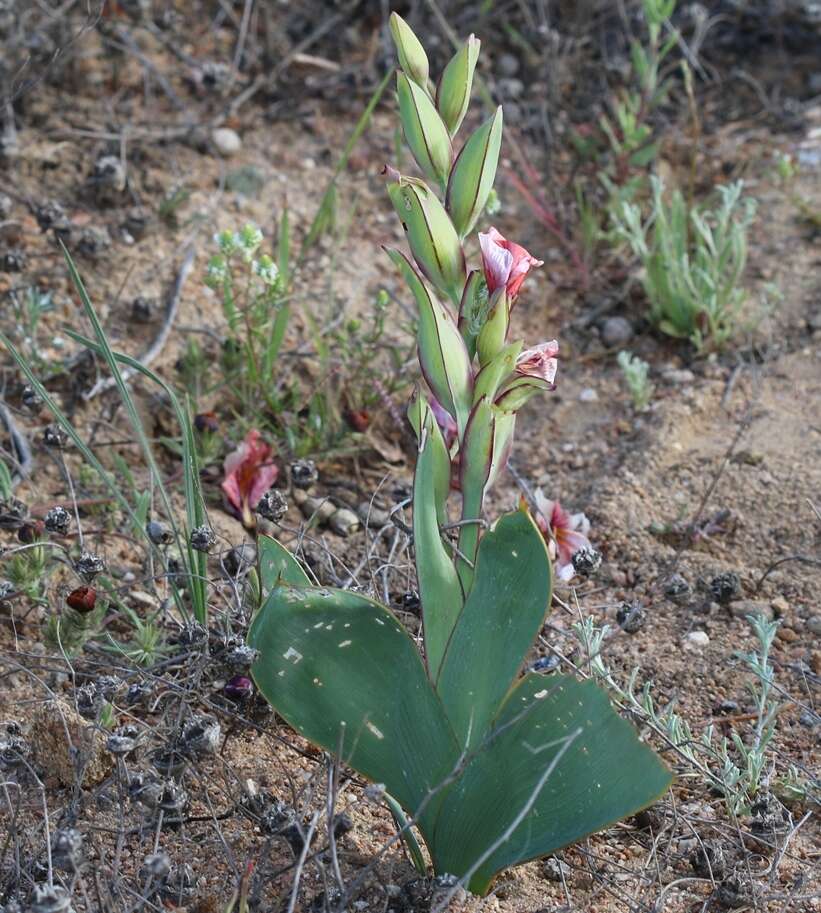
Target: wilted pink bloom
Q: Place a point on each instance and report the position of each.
(540, 361)
(565, 533)
(445, 421)
(504, 262)
(249, 473)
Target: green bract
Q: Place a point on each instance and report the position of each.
(424, 131)
(453, 92)
(493, 767)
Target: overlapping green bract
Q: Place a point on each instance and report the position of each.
(493, 768)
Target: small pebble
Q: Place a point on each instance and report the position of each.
(745, 607)
(227, 141)
(814, 625)
(616, 332)
(588, 395)
(508, 65)
(696, 641)
(344, 522)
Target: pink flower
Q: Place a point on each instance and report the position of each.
(565, 533)
(540, 361)
(249, 473)
(504, 262)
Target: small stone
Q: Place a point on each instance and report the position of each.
(787, 635)
(745, 607)
(554, 869)
(344, 522)
(318, 510)
(814, 625)
(588, 395)
(780, 605)
(6, 206)
(616, 332)
(227, 141)
(507, 65)
(696, 641)
(678, 376)
(158, 533)
(66, 747)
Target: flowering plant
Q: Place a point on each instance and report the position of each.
(494, 768)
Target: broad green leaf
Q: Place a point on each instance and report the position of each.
(500, 619)
(561, 755)
(277, 565)
(346, 675)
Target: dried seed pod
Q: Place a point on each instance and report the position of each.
(30, 398)
(202, 539)
(725, 587)
(304, 474)
(240, 657)
(192, 635)
(14, 750)
(146, 790)
(89, 565)
(13, 261)
(13, 513)
(138, 693)
(51, 215)
(124, 740)
(54, 436)
(67, 849)
(58, 521)
(179, 886)
(89, 701)
(708, 860)
(586, 561)
(93, 241)
(108, 177)
(108, 685)
(410, 601)
(168, 762)
(50, 899)
(200, 735)
(676, 589)
(156, 865)
(630, 617)
(7, 589)
(173, 798)
(272, 506)
(143, 310)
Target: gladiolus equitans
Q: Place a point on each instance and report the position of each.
(505, 263)
(565, 533)
(249, 473)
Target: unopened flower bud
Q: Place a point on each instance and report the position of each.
(491, 339)
(409, 50)
(82, 599)
(453, 92)
(425, 133)
(471, 178)
(239, 688)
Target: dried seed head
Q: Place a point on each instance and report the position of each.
(375, 792)
(89, 565)
(272, 505)
(143, 309)
(124, 740)
(157, 865)
(180, 885)
(158, 533)
(50, 899)
(67, 849)
(54, 436)
(52, 215)
(137, 693)
(13, 513)
(200, 735)
(192, 635)
(343, 824)
(410, 601)
(725, 587)
(214, 75)
(7, 589)
(109, 172)
(58, 521)
(30, 398)
(240, 657)
(586, 561)
(676, 588)
(630, 617)
(14, 750)
(145, 789)
(708, 860)
(89, 701)
(168, 762)
(173, 797)
(93, 241)
(202, 538)
(13, 261)
(304, 473)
